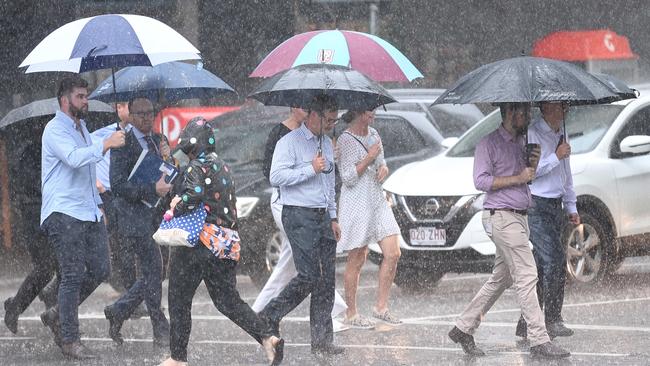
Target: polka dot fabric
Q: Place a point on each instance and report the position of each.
(182, 230)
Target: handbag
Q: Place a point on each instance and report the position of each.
(182, 230)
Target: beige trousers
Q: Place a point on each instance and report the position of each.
(514, 264)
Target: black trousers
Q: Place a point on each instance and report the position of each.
(314, 254)
(123, 266)
(190, 266)
(44, 266)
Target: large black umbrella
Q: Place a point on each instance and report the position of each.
(528, 79)
(297, 87)
(46, 107)
(171, 81)
(617, 85)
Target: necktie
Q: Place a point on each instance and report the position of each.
(151, 145)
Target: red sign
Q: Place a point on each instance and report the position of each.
(584, 46)
(172, 120)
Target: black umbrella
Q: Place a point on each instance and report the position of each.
(528, 79)
(617, 85)
(297, 87)
(45, 107)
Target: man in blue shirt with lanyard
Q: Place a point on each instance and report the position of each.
(303, 169)
(70, 214)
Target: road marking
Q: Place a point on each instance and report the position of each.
(513, 310)
(351, 346)
(512, 325)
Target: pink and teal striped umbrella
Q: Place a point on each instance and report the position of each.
(368, 54)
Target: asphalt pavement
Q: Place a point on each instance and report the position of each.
(610, 320)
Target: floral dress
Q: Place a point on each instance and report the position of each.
(207, 180)
(364, 214)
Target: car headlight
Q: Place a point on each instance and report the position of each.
(245, 206)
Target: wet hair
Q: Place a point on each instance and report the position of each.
(350, 115)
(68, 84)
(130, 103)
(322, 103)
(505, 107)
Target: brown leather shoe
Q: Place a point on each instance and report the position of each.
(77, 351)
(466, 341)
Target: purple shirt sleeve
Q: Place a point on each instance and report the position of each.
(483, 177)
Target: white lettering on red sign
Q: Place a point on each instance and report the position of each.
(171, 128)
(608, 41)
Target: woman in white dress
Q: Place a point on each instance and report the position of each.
(364, 214)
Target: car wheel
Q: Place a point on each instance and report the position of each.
(261, 270)
(415, 279)
(589, 250)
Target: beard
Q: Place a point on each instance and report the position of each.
(79, 113)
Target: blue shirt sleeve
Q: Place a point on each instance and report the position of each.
(282, 166)
(63, 146)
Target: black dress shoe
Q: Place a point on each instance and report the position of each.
(466, 341)
(522, 328)
(558, 329)
(11, 315)
(327, 350)
(77, 351)
(114, 325)
(549, 350)
(279, 353)
(50, 319)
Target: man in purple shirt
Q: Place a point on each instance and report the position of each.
(551, 189)
(501, 171)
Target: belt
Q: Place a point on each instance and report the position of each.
(520, 212)
(318, 210)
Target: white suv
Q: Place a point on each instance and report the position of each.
(438, 208)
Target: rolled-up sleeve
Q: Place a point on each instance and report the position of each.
(483, 172)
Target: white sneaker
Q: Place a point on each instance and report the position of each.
(339, 326)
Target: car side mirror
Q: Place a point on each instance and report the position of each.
(638, 144)
(449, 142)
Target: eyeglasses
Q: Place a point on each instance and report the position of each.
(143, 114)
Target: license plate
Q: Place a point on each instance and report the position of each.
(428, 236)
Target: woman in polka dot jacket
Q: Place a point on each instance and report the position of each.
(207, 180)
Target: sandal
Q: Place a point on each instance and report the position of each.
(386, 317)
(359, 322)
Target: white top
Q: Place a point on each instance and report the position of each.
(364, 214)
(553, 177)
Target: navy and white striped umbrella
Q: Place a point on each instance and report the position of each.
(109, 41)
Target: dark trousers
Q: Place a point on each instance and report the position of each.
(81, 249)
(44, 267)
(546, 220)
(190, 266)
(314, 254)
(122, 256)
(147, 287)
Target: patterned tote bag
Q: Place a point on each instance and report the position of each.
(182, 230)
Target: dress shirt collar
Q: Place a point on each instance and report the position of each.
(506, 135)
(545, 128)
(138, 134)
(64, 117)
(306, 132)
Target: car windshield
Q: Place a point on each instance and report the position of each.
(242, 145)
(585, 125)
(451, 120)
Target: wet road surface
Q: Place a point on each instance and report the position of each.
(610, 319)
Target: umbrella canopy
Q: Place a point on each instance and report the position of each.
(617, 85)
(45, 107)
(170, 81)
(528, 79)
(366, 53)
(298, 86)
(109, 41)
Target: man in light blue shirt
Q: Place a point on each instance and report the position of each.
(303, 169)
(554, 203)
(70, 214)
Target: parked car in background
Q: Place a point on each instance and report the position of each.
(410, 132)
(439, 210)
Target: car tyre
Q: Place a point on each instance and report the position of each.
(261, 270)
(413, 279)
(591, 250)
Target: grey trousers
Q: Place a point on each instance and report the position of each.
(514, 264)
